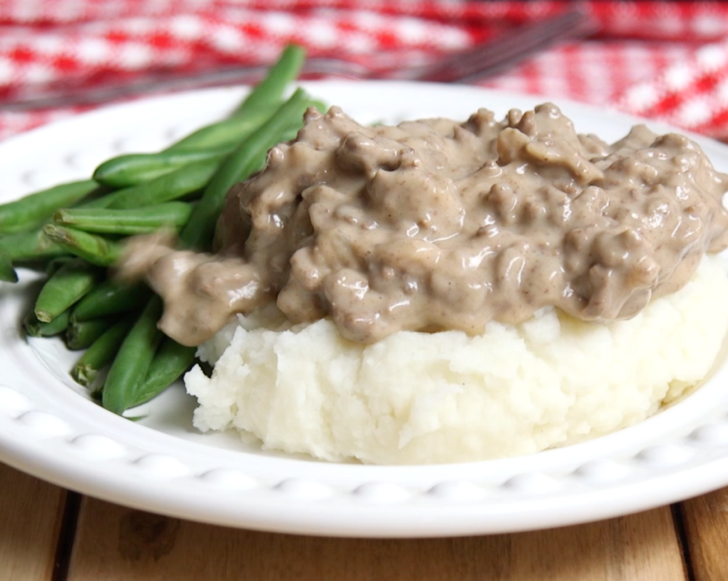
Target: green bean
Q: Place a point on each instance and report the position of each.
(72, 281)
(36, 328)
(270, 90)
(132, 221)
(81, 334)
(170, 362)
(226, 133)
(35, 208)
(94, 249)
(34, 245)
(111, 298)
(171, 186)
(248, 157)
(7, 272)
(256, 109)
(133, 360)
(138, 168)
(101, 352)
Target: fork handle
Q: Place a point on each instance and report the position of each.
(509, 48)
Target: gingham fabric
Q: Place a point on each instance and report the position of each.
(666, 60)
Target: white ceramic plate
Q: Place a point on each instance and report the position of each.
(50, 428)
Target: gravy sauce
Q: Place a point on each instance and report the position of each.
(435, 225)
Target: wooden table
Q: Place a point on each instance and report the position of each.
(47, 533)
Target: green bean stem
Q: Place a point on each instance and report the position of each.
(132, 221)
(72, 281)
(248, 157)
(81, 334)
(133, 360)
(101, 352)
(111, 298)
(170, 362)
(94, 249)
(35, 208)
(35, 328)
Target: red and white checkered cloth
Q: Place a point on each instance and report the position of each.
(666, 60)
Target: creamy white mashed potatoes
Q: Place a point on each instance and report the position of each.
(448, 397)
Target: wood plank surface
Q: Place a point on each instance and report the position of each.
(31, 512)
(705, 520)
(115, 543)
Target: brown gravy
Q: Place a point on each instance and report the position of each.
(436, 224)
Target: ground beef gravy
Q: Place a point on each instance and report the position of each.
(436, 225)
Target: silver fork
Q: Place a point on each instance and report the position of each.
(465, 66)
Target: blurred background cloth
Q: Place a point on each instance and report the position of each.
(666, 60)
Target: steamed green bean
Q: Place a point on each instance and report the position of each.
(138, 168)
(127, 222)
(61, 291)
(171, 186)
(35, 208)
(94, 249)
(170, 362)
(111, 298)
(256, 109)
(133, 360)
(101, 353)
(81, 334)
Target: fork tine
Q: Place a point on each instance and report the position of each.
(512, 46)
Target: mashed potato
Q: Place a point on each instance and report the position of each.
(416, 398)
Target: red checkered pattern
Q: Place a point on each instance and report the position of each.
(666, 60)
